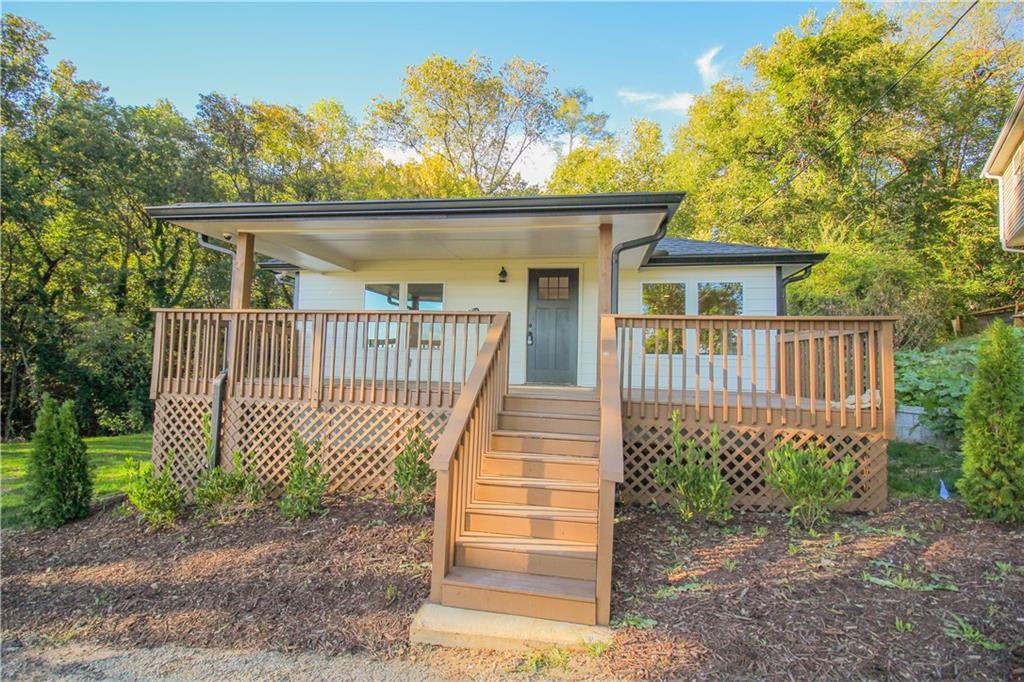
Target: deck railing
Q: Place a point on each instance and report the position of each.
(460, 448)
(789, 371)
(397, 358)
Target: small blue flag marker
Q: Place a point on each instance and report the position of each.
(943, 492)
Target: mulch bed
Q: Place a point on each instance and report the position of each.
(755, 599)
(349, 580)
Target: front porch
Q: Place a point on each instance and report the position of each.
(527, 476)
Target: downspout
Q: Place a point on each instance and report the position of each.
(649, 240)
(798, 276)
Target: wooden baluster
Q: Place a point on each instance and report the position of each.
(842, 375)
(858, 373)
(754, 381)
(827, 342)
(783, 375)
(739, 371)
(711, 369)
(812, 371)
(698, 371)
(670, 361)
(873, 372)
(725, 370)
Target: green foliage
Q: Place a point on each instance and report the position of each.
(958, 627)
(698, 487)
(306, 486)
(993, 444)
(58, 478)
(154, 495)
(810, 482)
(939, 381)
(223, 494)
(413, 478)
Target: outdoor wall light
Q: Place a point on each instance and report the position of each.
(502, 275)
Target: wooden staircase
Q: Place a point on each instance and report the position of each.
(525, 497)
(527, 544)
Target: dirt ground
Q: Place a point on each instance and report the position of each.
(921, 591)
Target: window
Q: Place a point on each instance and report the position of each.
(719, 298)
(664, 298)
(382, 297)
(424, 297)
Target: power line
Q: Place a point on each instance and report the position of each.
(811, 159)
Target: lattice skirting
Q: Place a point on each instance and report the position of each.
(358, 443)
(742, 457)
(178, 436)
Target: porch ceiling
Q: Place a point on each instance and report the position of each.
(326, 236)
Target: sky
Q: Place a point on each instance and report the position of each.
(635, 60)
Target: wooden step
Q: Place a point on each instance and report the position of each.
(522, 594)
(537, 465)
(555, 423)
(547, 405)
(532, 521)
(536, 491)
(539, 556)
(545, 443)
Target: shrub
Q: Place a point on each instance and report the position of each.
(59, 482)
(223, 493)
(304, 491)
(157, 498)
(993, 445)
(698, 488)
(811, 484)
(413, 477)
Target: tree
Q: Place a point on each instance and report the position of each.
(635, 164)
(58, 479)
(993, 444)
(479, 121)
(576, 122)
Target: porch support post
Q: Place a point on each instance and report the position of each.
(241, 272)
(604, 281)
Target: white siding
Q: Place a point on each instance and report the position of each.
(474, 284)
(467, 285)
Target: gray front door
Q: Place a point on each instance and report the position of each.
(552, 326)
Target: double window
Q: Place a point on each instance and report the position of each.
(713, 298)
(411, 296)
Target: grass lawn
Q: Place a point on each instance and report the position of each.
(107, 454)
(915, 470)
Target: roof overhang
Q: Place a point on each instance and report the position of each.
(1007, 142)
(337, 235)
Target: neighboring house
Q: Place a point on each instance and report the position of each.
(542, 344)
(1006, 164)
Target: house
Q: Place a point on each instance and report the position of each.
(542, 344)
(1006, 164)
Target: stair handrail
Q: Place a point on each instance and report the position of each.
(610, 461)
(468, 427)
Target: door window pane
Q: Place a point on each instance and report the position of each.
(553, 288)
(718, 298)
(382, 297)
(664, 298)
